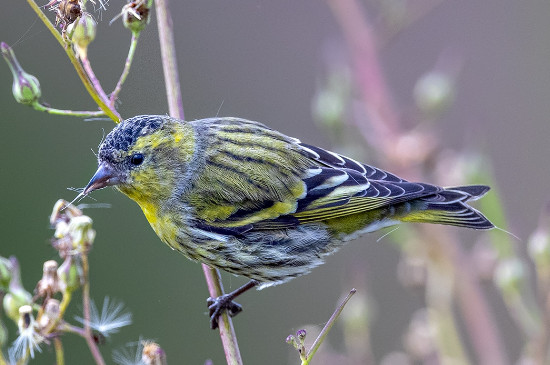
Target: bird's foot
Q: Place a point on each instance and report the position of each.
(217, 305)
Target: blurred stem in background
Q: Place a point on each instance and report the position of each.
(449, 275)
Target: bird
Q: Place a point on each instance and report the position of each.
(239, 196)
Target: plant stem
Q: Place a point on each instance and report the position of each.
(59, 356)
(175, 103)
(111, 113)
(92, 77)
(169, 63)
(86, 305)
(319, 340)
(126, 71)
(74, 113)
(227, 332)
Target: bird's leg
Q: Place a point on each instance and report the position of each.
(225, 302)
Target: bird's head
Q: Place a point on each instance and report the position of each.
(143, 157)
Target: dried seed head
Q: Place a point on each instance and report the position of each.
(153, 354)
(25, 87)
(68, 11)
(135, 15)
(49, 284)
(50, 315)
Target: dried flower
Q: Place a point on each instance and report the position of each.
(50, 314)
(49, 284)
(29, 339)
(153, 354)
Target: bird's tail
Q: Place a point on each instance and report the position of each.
(450, 207)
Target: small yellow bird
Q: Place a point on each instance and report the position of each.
(239, 196)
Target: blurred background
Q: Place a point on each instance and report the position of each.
(286, 64)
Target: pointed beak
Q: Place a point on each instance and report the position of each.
(103, 177)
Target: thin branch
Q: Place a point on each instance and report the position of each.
(319, 340)
(126, 71)
(74, 113)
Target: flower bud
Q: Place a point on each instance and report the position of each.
(83, 33)
(539, 249)
(5, 273)
(25, 88)
(69, 275)
(17, 296)
(135, 15)
(509, 275)
(434, 92)
(81, 232)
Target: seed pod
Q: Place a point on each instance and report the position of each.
(83, 33)
(135, 15)
(25, 88)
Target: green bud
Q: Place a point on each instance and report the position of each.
(69, 275)
(434, 92)
(83, 33)
(81, 232)
(15, 300)
(16, 296)
(5, 273)
(539, 249)
(25, 88)
(509, 275)
(135, 15)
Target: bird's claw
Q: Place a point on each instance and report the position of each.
(217, 305)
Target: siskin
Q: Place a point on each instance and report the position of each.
(239, 196)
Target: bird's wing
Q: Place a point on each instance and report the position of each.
(257, 178)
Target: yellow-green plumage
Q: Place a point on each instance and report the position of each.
(239, 196)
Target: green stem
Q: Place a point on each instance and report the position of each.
(126, 71)
(59, 356)
(111, 113)
(319, 340)
(74, 113)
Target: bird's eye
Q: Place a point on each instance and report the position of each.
(137, 159)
